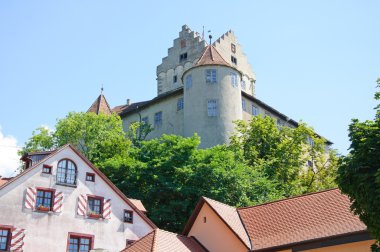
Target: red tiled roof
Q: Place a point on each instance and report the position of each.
(138, 204)
(211, 56)
(4, 180)
(164, 241)
(299, 219)
(100, 105)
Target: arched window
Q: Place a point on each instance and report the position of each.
(66, 172)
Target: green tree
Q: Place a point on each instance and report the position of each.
(98, 137)
(359, 172)
(295, 158)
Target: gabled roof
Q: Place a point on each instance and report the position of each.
(300, 219)
(96, 170)
(100, 105)
(163, 241)
(211, 56)
(228, 214)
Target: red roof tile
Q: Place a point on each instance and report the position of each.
(164, 241)
(100, 105)
(303, 218)
(138, 204)
(211, 56)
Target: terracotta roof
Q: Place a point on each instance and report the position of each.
(164, 241)
(100, 105)
(4, 180)
(300, 219)
(138, 204)
(211, 56)
(119, 108)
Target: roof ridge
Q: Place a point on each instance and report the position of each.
(218, 202)
(288, 199)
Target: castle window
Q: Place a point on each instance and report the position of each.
(234, 80)
(174, 79)
(44, 200)
(80, 243)
(244, 105)
(180, 104)
(233, 60)
(255, 110)
(211, 76)
(189, 81)
(94, 206)
(90, 177)
(66, 172)
(183, 43)
(183, 57)
(233, 48)
(212, 108)
(128, 216)
(4, 239)
(158, 119)
(243, 85)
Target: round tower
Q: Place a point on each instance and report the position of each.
(212, 97)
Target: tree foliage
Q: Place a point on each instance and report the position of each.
(359, 171)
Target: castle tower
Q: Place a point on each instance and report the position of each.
(212, 97)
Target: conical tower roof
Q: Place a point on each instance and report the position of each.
(100, 105)
(211, 56)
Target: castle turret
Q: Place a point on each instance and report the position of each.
(212, 97)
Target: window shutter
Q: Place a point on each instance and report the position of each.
(17, 241)
(107, 209)
(58, 202)
(82, 205)
(30, 198)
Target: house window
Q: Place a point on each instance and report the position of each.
(244, 105)
(44, 200)
(211, 76)
(255, 110)
(174, 79)
(90, 177)
(233, 48)
(158, 119)
(189, 81)
(66, 172)
(145, 120)
(183, 57)
(94, 206)
(212, 107)
(234, 80)
(180, 104)
(46, 169)
(78, 243)
(233, 60)
(243, 85)
(183, 43)
(128, 216)
(4, 239)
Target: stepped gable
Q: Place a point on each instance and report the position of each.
(163, 241)
(100, 105)
(211, 56)
(300, 219)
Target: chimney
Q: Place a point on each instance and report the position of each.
(128, 102)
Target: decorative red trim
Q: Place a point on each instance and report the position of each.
(79, 235)
(90, 174)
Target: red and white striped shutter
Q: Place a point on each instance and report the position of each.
(30, 197)
(58, 202)
(17, 241)
(107, 209)
(82, 205)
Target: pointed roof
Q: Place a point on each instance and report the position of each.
(163, 241)
(211, 56)
(100, 105)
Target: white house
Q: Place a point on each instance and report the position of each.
(64, 203)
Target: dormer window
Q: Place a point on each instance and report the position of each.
(66, 172)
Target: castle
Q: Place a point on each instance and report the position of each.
(201, 88)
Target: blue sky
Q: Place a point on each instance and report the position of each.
(315, 61)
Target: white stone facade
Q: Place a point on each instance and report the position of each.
(51, 230)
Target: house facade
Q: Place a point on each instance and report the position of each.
(201, 88)
(64, 203)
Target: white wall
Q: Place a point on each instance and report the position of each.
(49, 232)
